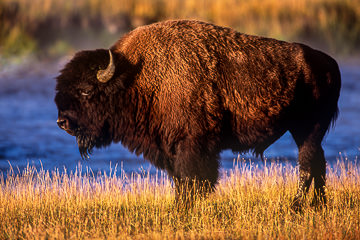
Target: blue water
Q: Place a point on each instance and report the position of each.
(29, 133)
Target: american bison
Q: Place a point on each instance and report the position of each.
(179, 92)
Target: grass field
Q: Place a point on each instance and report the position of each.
(54, 27)
(250, 202)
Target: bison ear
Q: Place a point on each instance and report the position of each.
(106, 74)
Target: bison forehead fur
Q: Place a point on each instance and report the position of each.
(182, 91)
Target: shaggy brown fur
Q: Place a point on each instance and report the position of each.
(185, 90)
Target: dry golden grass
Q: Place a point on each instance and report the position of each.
(250, 202)
(332, 25)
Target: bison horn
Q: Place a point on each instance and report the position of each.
(106, 74)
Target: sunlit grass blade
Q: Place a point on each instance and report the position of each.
(250, 201)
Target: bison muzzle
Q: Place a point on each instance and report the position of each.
(179, 92)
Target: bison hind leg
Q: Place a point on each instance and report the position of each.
(312, 163)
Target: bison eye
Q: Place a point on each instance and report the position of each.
(85, 92)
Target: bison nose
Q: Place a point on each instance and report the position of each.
(63, 123)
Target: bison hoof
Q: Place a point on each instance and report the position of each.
(297, 205)
(318, 203)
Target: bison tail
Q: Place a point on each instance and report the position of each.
(334, 80)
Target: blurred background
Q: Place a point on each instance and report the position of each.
(37, 37)
(53, 28)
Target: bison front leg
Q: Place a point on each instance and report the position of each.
(187, 190)
(195, 174)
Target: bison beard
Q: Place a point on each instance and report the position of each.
(85, 144)
(179, 92)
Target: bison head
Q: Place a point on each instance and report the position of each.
(84, 93)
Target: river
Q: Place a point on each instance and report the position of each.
(29, 133)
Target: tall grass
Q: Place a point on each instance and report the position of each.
(250, 202)
(29, 25)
